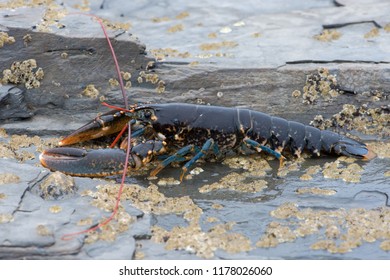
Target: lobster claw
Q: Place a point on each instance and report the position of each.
(103, 125)
(351, 148)
(80, 162)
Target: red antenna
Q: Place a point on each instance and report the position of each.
(118, 198)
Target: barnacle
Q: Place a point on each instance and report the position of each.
(6, 39)
(320, 85)
(23, 73)
(328, 35)
(338, 231)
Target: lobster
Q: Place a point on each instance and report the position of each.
(178, 132)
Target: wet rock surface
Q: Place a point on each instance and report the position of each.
(55, 186)
(328, 59)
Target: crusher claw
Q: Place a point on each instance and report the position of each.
(83, 163)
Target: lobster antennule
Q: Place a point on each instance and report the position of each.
(352, 148)
(83, 163)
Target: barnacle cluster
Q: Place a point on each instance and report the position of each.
(312, 170)
(290, 166)
(374, 32)
(176, 28)
(6, 39)
(343, 168)
(180, 16)
(189, 237)
(161, 53)
(153, 79)
(91, 91)
(13, 147)
(276, 233)
(56, 186)
(55, 209)
(236, 182)
(362, 118)
(328, 35)
(6, 218)
(203, 244)
(23, 72)
(316, 191)
(51, 17)
(27, 39)
(24, 3)
(7, 178)
(319, 85)
(253, 166)
(145, 76)
(382, 149)
(247, 181)
(338, 231)
(218, 45)
(43, 230)
(168, 182)
(116, 25)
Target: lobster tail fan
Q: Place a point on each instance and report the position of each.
(352, 148)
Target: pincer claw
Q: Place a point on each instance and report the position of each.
(103, 125)
(80, 162)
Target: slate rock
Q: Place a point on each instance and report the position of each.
(12, 103)
(54, 186)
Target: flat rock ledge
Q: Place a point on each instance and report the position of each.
(254, 56)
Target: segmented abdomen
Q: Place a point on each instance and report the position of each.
(280, 134)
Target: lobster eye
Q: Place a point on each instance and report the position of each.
(147, 114)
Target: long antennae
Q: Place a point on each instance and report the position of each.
(117, 68)
(118, 198)
(116, 107)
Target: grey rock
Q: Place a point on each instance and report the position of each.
(54, 186)
(274, 51)
(16, 191)
(141, 229)
(153, 251)
(122, 248)
(88, 62)
(12, 103)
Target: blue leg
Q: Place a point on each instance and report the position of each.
(137, 133)
(253, 144)
(206, 147)
(178, 156)
(134, 135)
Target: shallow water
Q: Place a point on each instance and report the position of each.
(251, 211)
